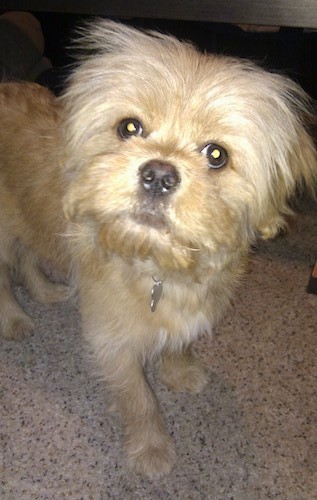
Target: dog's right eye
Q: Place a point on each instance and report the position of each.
(130, 127)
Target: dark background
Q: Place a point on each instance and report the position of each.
(292, 51)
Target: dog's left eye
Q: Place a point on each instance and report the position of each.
(216, 155)
(130, 127)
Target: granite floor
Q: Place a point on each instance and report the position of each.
(250, 435)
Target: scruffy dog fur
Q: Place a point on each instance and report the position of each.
(147, 181)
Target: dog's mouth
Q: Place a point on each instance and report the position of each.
(151, 213)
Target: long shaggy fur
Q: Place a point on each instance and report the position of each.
(71, 193)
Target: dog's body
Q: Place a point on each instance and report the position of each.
(148, 179)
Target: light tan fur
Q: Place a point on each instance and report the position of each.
(70, 193)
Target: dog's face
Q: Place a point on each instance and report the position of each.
(180, 156)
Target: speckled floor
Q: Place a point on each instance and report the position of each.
(250, 435)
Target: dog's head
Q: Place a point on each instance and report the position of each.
(179, 156)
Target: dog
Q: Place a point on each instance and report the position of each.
(147, 182)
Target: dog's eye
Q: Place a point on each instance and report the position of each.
(130, 127)
(216, 155)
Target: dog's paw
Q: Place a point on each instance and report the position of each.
(185, 374)
(18, 328)
(50, 293)
(153, 460)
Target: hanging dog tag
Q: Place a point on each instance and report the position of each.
(156, 293)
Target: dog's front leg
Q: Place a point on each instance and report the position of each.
(149, 449)
(108, 328)
(183, 372)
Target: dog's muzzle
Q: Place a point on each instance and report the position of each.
(158, 178)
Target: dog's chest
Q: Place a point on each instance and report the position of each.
(176, 312)
(152, 310)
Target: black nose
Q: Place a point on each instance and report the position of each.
(158, 177)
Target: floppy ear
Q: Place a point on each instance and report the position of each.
(296, 169)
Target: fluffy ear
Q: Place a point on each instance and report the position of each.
(296, 167)
(297, 173)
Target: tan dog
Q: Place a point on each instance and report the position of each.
(148, 179)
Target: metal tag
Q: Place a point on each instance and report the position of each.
(156, 294)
